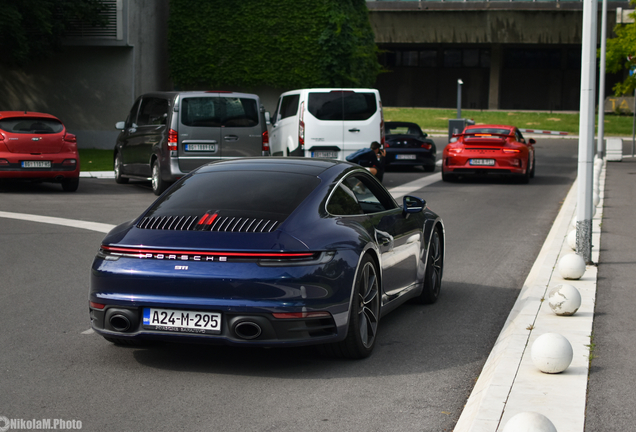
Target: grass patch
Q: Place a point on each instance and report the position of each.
(96, 160)
(437, 119)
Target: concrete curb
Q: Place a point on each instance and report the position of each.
(509, 382)
(97, 174)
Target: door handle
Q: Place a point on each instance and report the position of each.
(354, 130)
(231, 138)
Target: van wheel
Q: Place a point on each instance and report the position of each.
(158, 184)
(117, 168)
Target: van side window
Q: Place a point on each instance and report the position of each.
(132, 116)
(153, 112)
(289, 106)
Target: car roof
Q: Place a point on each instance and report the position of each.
(172, 94)
(485, 126)
(9, 114)
(399, 124)
(298, 165)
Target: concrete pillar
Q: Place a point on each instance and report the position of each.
(496, 63)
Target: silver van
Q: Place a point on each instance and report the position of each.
(168, 134)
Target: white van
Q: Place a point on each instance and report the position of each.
(326, 123)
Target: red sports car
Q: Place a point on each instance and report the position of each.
(36, 146)
(489, 150)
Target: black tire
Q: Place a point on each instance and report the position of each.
(451, 178)
(158, 184)
(434, 270)
(363, 317)
(117, 168)
(533, 166)
(70, 185)
(525, 178)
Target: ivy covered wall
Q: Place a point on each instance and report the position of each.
(281, 43)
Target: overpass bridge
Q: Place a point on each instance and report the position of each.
(515, 54)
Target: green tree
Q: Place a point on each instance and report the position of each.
(284, 44)
(33, 29)
(621, 55)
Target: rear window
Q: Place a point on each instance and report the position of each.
(342, 105)
(31, 125)
(257, 194)
(403, 130)
(219, 111)
(488, 131)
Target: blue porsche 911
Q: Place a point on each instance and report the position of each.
(267, 252)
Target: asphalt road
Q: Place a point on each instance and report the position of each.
(418, 379)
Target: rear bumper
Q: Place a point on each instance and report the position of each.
(57, 172)
(503, 165)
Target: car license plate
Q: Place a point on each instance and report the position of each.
(200, 147)
(325, 154)
(36, 164)
(182, 321)
(482, 162)
(405, 156)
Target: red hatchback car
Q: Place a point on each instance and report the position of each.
(36, 146)
(489, 150)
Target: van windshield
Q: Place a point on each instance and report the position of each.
(219, 111)
(342, 105)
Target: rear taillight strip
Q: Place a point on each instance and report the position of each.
(193, 255)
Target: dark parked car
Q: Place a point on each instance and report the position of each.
(267, 252)
(36, 146)
(407, 145)
(168, 134)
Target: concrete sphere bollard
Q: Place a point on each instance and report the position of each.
(564, 300)
(572, 239)
(529, 422)
(552, 353)
(571, 266)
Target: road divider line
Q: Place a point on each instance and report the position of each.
(92, 226)
(407, 188)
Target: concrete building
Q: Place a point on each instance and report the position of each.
(510, 55)
(92, 83)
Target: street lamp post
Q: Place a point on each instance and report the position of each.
(459, 98)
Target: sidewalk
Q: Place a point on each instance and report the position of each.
(510, 383)
(612, 381)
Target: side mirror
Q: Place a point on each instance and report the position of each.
(267, 118)
(413, 204)
(424, 135)
(532, 141)
(120, 125)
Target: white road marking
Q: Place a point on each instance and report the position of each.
(407, 188)
(88, 332)
(92, 226)
(397, 192)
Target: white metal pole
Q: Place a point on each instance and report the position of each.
(586, 132)
(459, 98)
(600, 148)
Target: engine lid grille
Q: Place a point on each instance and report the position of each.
(209, 222)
